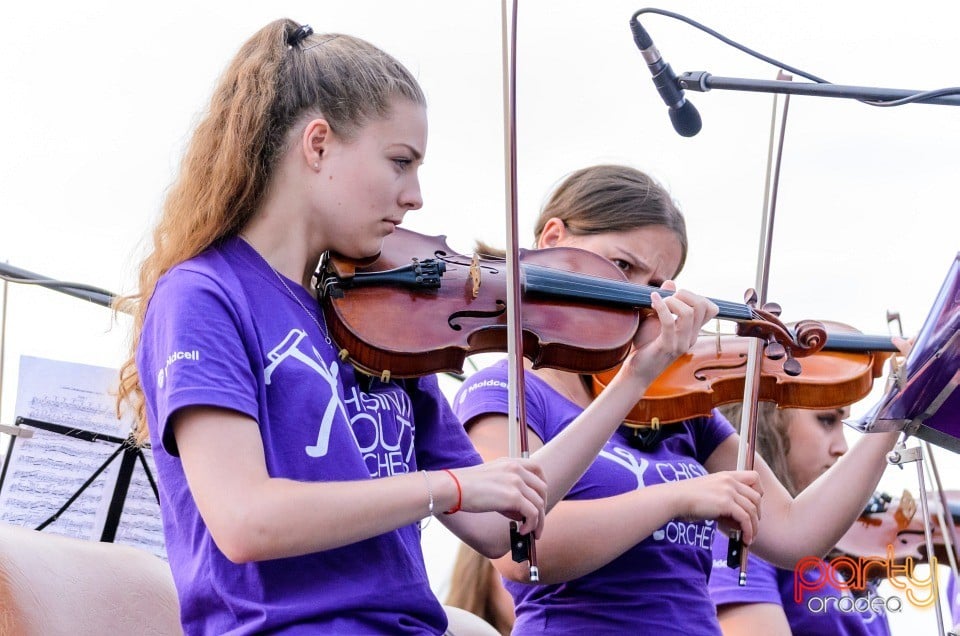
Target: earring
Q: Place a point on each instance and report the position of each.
(316, 165)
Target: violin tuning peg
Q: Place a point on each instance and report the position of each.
(791, 366)
(750, 297)
(773, 308)
(774, 350)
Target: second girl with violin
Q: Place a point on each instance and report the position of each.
(630, 547)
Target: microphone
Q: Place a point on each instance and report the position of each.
(683, 115)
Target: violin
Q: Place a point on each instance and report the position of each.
(580, 312)
(891, 526)
(712, 374)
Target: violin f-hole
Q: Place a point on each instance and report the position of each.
(475, 313)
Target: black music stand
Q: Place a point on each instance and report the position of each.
(130, 452)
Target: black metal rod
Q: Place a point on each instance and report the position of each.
(95, 295)
(701, 81)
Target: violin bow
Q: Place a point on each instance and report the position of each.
(737, 553)
(523, 547)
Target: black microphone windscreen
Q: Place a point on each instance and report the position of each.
(686, 120)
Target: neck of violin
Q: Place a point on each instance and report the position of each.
(562, 285)
(571, 286)
(857, 342)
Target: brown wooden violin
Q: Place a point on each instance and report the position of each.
(712, 373)
(580, 313)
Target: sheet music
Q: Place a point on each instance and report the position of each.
(44, 471)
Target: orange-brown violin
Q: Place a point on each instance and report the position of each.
(712, 373)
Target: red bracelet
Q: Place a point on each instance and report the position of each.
(459, 493)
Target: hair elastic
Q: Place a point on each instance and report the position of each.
(302, 33)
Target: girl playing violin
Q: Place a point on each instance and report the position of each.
(798, 445)
(291, 486)
(630, 546)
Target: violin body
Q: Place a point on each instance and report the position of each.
(580, 313)
(712, 374)
(433, 329)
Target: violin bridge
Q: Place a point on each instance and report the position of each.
(906, 510)
(475, 274)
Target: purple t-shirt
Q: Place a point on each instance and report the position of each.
(828, 610)
(222, 330)
(657, 585)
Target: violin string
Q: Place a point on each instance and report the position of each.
(560, 282)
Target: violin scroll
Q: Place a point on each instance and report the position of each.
(807, 337)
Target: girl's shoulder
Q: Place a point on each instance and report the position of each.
(218, 269)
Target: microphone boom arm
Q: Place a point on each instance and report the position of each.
(701, 81)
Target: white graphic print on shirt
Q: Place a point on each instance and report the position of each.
(289, 348)
(678, 531)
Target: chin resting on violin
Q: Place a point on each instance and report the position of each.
(630, 546)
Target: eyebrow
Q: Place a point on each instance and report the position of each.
(416, 153)
(643, 265)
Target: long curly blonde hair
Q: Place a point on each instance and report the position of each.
(267, 88)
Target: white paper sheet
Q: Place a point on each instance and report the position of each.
(44, 471)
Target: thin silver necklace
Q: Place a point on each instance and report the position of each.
(323, 327)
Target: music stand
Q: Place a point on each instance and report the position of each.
(922, 399)
(127, 448)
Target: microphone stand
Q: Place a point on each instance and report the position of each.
(701, 82)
